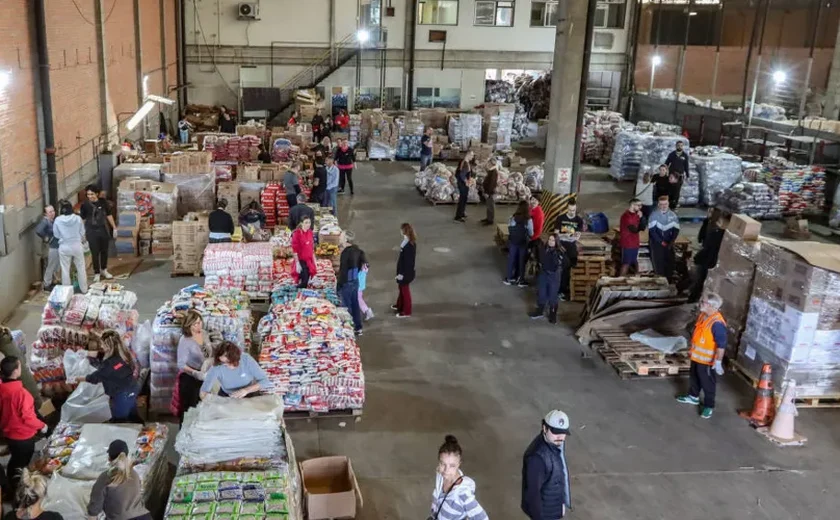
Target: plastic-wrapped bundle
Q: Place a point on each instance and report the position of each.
(498, 124)
(197, 192)
(463, 128)
(441, 190)
(409, 147)
(754, 199)
(409, 125)
(718, 171)
(150, 171)
(378, 149)
(534, 94)
(690, 191)
(766, 111)
(240, 267)
(426, 178)
(658, 146)
(533, 177)
(599, 132)
(311, 357)
(668, 93)
(801, 188)
(628, 155)
(499, 91)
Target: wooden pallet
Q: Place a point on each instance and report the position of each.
(180, 274)
(633, 360)
(801, 401)
(310, 414)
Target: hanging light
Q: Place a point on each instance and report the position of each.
(5, 79)
(779, 77)
(363, 35)
(140, 115)
(656, 60)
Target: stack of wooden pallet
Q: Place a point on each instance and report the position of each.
(593, 263)
(632, 360)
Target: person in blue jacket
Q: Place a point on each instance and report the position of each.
(546, 491)
(663, 230)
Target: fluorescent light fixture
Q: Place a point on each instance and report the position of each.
(779, 77)
(5, 79)
(159, 99)
(363, 35)
(140, 115)
(692, 13)
(656, 61)
(146, 86)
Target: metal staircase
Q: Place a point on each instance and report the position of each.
(334, 58)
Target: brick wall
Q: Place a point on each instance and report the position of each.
(74, 75)
(150, 50)
(19, 159)
(121, 56)
(171, 20)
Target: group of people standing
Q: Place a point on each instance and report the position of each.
(64, 236)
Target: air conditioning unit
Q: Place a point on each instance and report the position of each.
(249, 11)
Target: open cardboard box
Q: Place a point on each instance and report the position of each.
(330, 488)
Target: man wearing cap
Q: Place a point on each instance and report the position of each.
(708, 344)
(546, 494)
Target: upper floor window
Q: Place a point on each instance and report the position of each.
(609, 14)
(543, 13)
(494, 13)
(437, 12)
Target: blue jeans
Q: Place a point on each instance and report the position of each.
(548, 288)
(185, 136)
(123, 405)
(332, 199)
(350, 298)
(516, 261)
(425, 161)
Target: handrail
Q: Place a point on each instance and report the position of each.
(338, 46)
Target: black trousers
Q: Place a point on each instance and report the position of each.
(702, 377)
(566, 274)
(189, 392)
(461, 211)
(304, 276)
(345, 176)
(701, 273)
(663, 260)
(21, 453)
(291, 198)
(674, 195)
(99, 251)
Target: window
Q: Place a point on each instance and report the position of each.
(431, 97)
(673, 23)
(367, 98)
(610, 14)
(498, 14)
(543, 13)
(437, 12)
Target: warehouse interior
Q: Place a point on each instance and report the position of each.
(90, 86)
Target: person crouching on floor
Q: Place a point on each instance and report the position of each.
(552, 262)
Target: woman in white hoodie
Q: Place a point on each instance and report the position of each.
(69, 229)
(454, 494)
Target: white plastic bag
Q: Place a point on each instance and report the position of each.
(87, 404)
(142, 343)
(90, 453)
(77, 365)
(68, 497)
(666, 344)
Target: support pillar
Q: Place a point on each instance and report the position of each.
(138, 51)
(103, 69)
(832, 95)
(561, 172)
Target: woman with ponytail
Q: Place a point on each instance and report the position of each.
(454, 494)
(116, 372)
(117, 493)
(30, 493)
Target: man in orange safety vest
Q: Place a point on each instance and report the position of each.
(706, 353)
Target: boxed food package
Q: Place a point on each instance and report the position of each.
(330, 488)
(745, 227)
(248, 172)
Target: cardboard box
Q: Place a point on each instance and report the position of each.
(745, 227)
(129, 219)
(330, 488)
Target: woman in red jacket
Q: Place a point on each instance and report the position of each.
(342, 120)
(303, 247)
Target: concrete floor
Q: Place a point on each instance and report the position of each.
(472, 364)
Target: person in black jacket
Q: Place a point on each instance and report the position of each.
(552, 263)
(463, 175)
(300, 212)
(264, 157)
(352, 260)
(546, 487)
(319, 186)
(677, 163)
(405, 270)
(344, 158)
(220, 223)
(318, 126)
(711, 236)
(116, 372)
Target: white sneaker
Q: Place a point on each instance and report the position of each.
(96, 278)
(369, 315)
(107, 275)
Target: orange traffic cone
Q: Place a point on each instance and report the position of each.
(782, 431)
(764, 407)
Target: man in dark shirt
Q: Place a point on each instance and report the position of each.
(264, 157)
(300, 211)
(426, 149)
(99, 227)
(677, 163)
(227, 125)
(220, 223)
(569, 225)
(318, 126)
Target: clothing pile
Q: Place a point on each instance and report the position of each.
(226, 147)
(71, 322)
(766, 111)
(75, 456)
(801, 188)
(227, 314)
(599, 133)
(717, 171)
(690, 191)
(534, 94)
(463, 128)
(510, 186)
(437, 182)
(499, 91)
(533, 177)
(754, 199)
(240, 267)
(311, 357)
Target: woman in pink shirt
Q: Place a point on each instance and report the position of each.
(303, 247)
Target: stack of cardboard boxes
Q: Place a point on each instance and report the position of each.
(732, 279)
(189, 238)
(189, 162)
(498, 124)
(794, 317)
(162, 240)
(128, 233)
(144, 242)
(230, 192)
